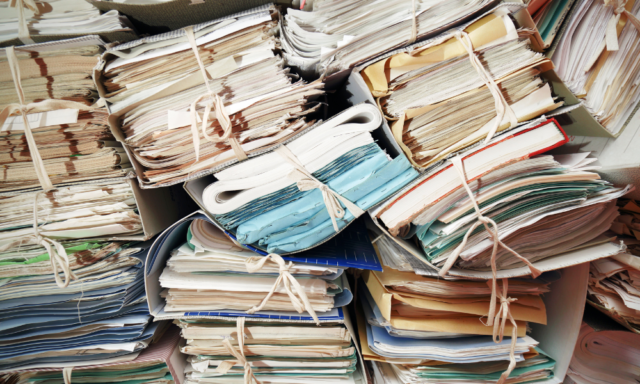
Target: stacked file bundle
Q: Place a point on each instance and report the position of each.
(549, 16)
(604, 356)
(418, 329)
(529, 198)
(163, 92)
(597, 60)
(154, 365)
(247, 316)
(23, 21)
(307, 190)
(336, 35)
(484, 68)
(100, 316)
(72, 137)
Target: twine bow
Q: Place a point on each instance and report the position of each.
(255, 264)
(611, 36)
(214, 102)
(238, 354)
(23, 26)
(306, 182)
(57, 254)
(24, 109)
(501, 105)
(498, 328)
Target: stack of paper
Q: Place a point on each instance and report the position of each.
(614, 288)
(606, 356)
(537, 366)
(75, 143)
(102, 313)
(336, 35)
(276, 352)
(549, 16)
(67, 214)
(603, 75)
(543, 206)
(156, 86)
(217, 291)
(209, 273)
(155, 365)
(49, 20)
(422, 330)
(437, 98)
(264, 201)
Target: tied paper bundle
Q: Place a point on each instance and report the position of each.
(209, 273)
(461, 87)
(540, 206)
(406, 305)
(101, 314)
(152, 366)
(614, 289)
(549, 16)
(537, 366)
(604, 356)
(597, 59)
(49, 86)
(336, 35)
(306, 191)
(41, 232)
(221, 352)
(193, 100)
(23, 21)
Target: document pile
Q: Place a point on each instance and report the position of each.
(240, 321)
(163, 92)
(597, 59)
(154, 365)
(99, 316)
(541, 206)
(614, 288)
(604, 356)
(336, 35)
(295, 197)
(627, 225)
(419, 329)
(495, 72)
(548, 16)
(73, 140)
(23, 21)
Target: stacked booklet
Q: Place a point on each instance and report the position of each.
(292, 198)
(498, 84)
(247, 316)
(192, 100)
(29, 21)
(336, 35)
(598, 63)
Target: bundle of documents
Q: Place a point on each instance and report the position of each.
(336, 35)
(101, 316)
(154, 365)
(542, 206)
(422, 330)
(599, 67)
(70, 215)
(275, 352)
(537, 366)
(549, 16)
(164, 92)
(627, 225)
(614, 289)
(209, 273)
(48, 20)
(445, 95)
(604, 356)
(277, 202)
(75, 142)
